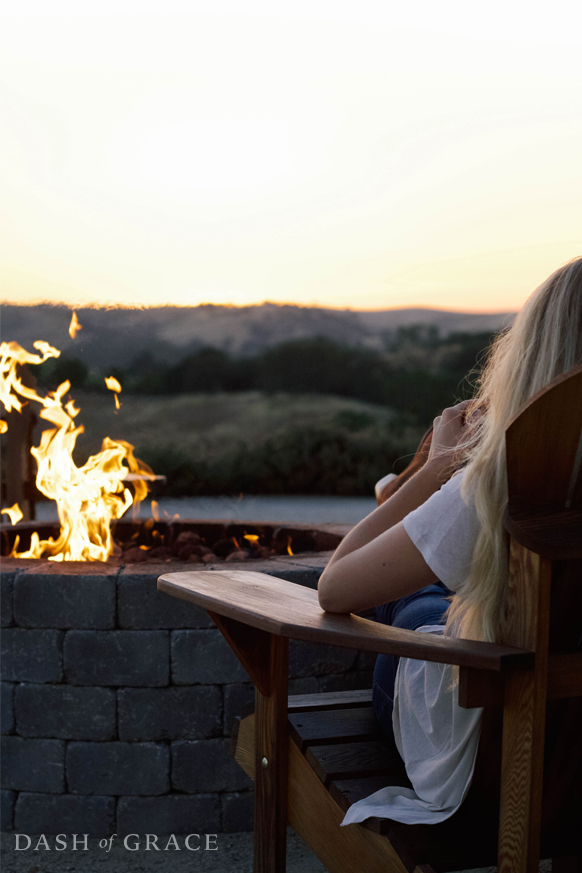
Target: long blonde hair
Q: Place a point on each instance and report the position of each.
(544, 341)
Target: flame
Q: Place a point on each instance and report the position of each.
(14, 513)
(114, 385)
(155, 510)
(88, 498)
(11, 387)
(289, 552)
(252, 538)
(75, 326)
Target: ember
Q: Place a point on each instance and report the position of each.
(196, 542)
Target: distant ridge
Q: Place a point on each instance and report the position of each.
(114, 337)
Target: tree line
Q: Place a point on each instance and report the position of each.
(417, 372)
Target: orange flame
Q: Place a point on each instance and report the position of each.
(75, 326)
(88, 498)
(114, 385)
(14, 513)
(289, 552)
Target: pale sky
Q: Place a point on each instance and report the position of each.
(355, 154)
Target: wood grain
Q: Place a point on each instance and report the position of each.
(484, 688)
(355, 760)
(524, 718)
(285, 609)
(333, 726)
(245, 745)
(251, 646)
(329, 700)
(552, 531)
(271, 746)
(316, 817)
(552, 418)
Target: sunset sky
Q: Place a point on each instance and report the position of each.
(354, 154)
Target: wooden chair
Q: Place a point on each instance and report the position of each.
(312, 756)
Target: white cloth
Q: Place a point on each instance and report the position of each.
(437, 740)
(444, 530)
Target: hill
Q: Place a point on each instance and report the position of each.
(115, 337)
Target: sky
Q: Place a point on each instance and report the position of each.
(340, 153)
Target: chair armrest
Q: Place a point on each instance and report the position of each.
(289, 610)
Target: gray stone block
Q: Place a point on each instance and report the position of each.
(32, 655)
(118, 768)
(63, 600)
(7, 811)
(206, 765)
(237, 812)
(306, 685)
(65, 814)
(173, 814)
(236, 697)
(33, 765)
(66, 712)
(316, 659)
(170, 713)
(140, 605)
(6, 596)
(7, 708)
(134, 658)
(203, 657)
(366, 661)
(301, 571)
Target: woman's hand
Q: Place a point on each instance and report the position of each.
(451, 429)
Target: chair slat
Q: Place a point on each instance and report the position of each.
(355, 760)
(333, 726)
(329, 700)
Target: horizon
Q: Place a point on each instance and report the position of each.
(145, 307)
(316, 153)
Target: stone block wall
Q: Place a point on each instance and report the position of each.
(118, 700)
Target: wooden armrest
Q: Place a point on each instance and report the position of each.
(289, 610)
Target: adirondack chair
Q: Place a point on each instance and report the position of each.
(312, 756)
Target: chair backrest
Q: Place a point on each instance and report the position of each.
(544, 444)
(544, 473)
(544, 477)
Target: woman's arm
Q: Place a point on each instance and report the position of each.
(377, 561)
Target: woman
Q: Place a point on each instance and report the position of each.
(440, 538)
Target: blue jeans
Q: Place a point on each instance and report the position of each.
(427, 606)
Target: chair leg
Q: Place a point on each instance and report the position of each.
(271, 772)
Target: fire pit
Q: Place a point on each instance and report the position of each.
(117, 700)
(193, 541)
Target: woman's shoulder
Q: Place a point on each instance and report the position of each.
(444, 529)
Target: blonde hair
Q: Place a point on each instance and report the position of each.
(544, 341)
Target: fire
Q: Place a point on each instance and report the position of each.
(13, 512)
(88, 498)
(74, 326)
(289, 552)
(114, 385)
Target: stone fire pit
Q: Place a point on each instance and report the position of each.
(118, 701)
(192, 541)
